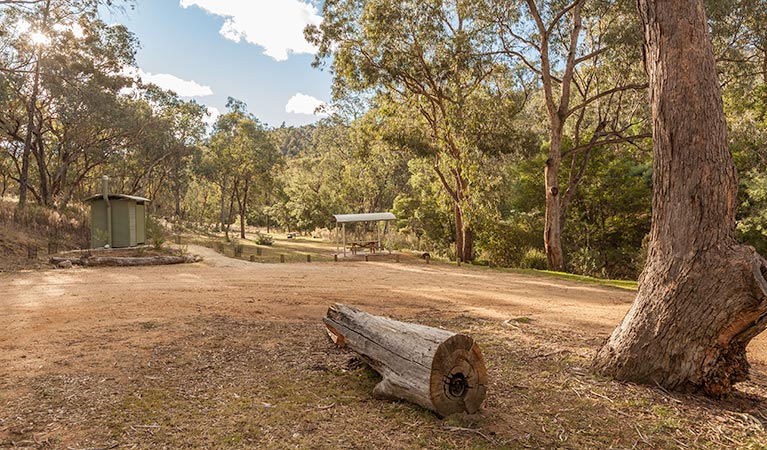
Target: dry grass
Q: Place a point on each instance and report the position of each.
(219, 382)
(246, 378)
(43, 231)
(286, 250)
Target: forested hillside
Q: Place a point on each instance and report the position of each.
(514, 133)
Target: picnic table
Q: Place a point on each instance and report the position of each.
(371, 245)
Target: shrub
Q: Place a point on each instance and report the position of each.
(585, 261)
(534, 259)
(264, 239)
(504, 243)
(156, 233)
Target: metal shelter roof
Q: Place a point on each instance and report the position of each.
(371, 217)
(117, 196)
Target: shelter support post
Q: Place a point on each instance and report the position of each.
(343, 227)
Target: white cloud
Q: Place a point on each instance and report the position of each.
(276, 25)
(183, 88)
(305, 104)
(213, 114)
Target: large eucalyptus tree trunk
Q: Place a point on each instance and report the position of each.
(702, 296)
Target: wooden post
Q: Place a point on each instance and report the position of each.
(252, 258)
(343, 227)
(308, 258)
(366, 258)
(282, 258)
(335, 257)
(427, 257)
(437, 369)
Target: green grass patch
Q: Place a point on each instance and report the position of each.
(620, 284)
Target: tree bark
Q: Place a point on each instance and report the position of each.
(38, 150)
(177, 196)
(552, 237)
(243, 207)
(223, 202)
(702, 296)
(437, 369)
(24, 175)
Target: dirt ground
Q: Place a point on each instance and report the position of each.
(228, 353)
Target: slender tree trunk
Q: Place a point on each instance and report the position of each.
(552, 236)
(244, 208)
(31, 107)
(31, 113)
(177, 196)
(223, 203)
(459, 232)
(39, 152)
(702, 296)
(468, 245)
(231, 211)
(204, 207)
(464, 239)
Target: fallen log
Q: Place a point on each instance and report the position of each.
(437, 369)
(123, 261)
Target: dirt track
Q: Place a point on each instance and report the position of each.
(57, 318)
(39, 307)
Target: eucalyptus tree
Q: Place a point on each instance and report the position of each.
(582, 56)
(431, 56)
(702, 296)
(183, 128)
(63, 66)
(740, 45)
(240, 156)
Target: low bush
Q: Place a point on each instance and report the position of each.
(534, 259)
(264, 239)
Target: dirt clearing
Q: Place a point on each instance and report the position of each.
(228, 353)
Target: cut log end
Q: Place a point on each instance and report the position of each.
(458, 376)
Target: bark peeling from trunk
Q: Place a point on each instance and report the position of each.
(702, 296)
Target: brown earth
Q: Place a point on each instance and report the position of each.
(228, 353)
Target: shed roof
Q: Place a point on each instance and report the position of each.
(117, 197)
(370, 217)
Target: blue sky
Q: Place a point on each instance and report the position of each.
(252, 50)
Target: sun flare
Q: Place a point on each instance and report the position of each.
(39, 38)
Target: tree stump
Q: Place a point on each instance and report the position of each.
(437, 369)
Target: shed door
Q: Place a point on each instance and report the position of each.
(140, 224)
(132, 223)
